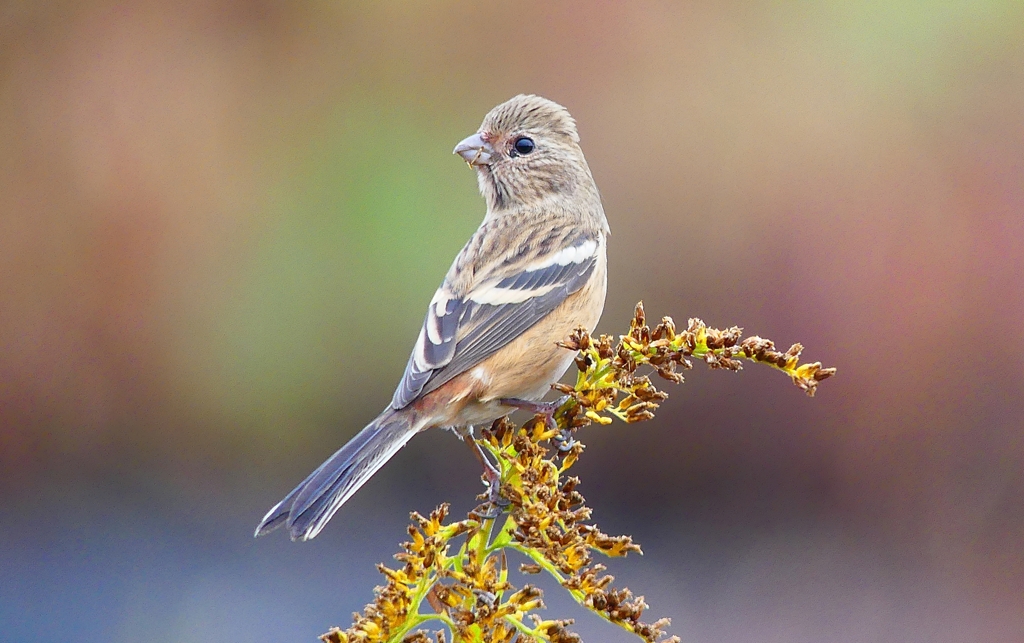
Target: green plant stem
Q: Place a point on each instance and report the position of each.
(526, 629)
(545, 564)
(576, 594)
(415, 622)
(485, 537)
(503, 538)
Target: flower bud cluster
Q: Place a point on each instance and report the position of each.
(541, 513)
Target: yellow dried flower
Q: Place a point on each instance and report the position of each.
(545, 517)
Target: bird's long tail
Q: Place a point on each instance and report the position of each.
(310, 505)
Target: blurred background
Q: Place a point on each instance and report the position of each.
(221, 222)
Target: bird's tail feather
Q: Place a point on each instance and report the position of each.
(310, 505)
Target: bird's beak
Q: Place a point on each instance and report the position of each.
(475, 150)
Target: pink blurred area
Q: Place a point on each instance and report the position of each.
(219, 222)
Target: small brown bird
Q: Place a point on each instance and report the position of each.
(534, 270)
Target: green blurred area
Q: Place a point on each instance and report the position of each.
(336, 284)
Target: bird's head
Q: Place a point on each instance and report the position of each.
(526, 150)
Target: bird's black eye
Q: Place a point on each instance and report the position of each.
(522, 146)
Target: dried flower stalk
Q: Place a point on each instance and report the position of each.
(542, 515)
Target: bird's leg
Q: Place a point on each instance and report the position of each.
(491, 474)
(546, 409)
(564, 440)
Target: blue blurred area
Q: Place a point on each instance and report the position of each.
(220, 223)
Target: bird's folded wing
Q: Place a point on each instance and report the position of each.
(460, 332)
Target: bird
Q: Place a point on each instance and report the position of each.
(534, 271)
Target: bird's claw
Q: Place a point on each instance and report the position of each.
(545, 409)
(493, 506)
(489, 510)
(564, 441)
